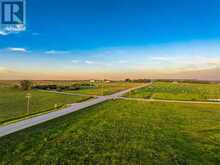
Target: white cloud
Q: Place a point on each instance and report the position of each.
(90, 62)
(56, 52)
(3, 33)
(98, 63)
(17, 49)
(50, 52)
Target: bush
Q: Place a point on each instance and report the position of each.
(45, 87)
(16, 86)
(26, 84)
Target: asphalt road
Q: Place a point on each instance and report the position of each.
(14, 127)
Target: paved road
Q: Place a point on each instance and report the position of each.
(170, 101)
(11, 128)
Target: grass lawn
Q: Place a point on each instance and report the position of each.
(108, 88)
(178, 91)
(121, 132)
(13, 101)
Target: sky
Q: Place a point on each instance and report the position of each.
(114, 39)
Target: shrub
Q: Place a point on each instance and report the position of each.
(26, 84)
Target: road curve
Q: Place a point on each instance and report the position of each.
(14, 127)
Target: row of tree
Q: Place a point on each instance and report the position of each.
(64, 87)
(28, 85)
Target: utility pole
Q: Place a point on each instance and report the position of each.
(103, 87)
(28, 96)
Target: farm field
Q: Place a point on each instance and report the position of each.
(105, 88)
(121, 132)
(178, 91)
(13, 102)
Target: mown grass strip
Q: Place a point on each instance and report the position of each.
(30, 115)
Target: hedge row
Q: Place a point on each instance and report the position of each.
(58, 87)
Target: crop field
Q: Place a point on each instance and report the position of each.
(105, 88)
(13, 102)
(121, 132)
(178, 91)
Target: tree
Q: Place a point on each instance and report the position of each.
(127, 80)
(26, 84)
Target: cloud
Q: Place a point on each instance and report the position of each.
(160, 59)
(98, 64)
(17, 49)
(51, 52)
(56, 52)
(3, 33)
(90, 62)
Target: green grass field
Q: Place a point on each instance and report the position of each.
(13, 101)
(121, 132)
(178, 91)
(106, 88)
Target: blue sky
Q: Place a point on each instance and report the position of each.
(83, 38)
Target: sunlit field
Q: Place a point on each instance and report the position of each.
(121, 132)
(13, 102)
(178, 91)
